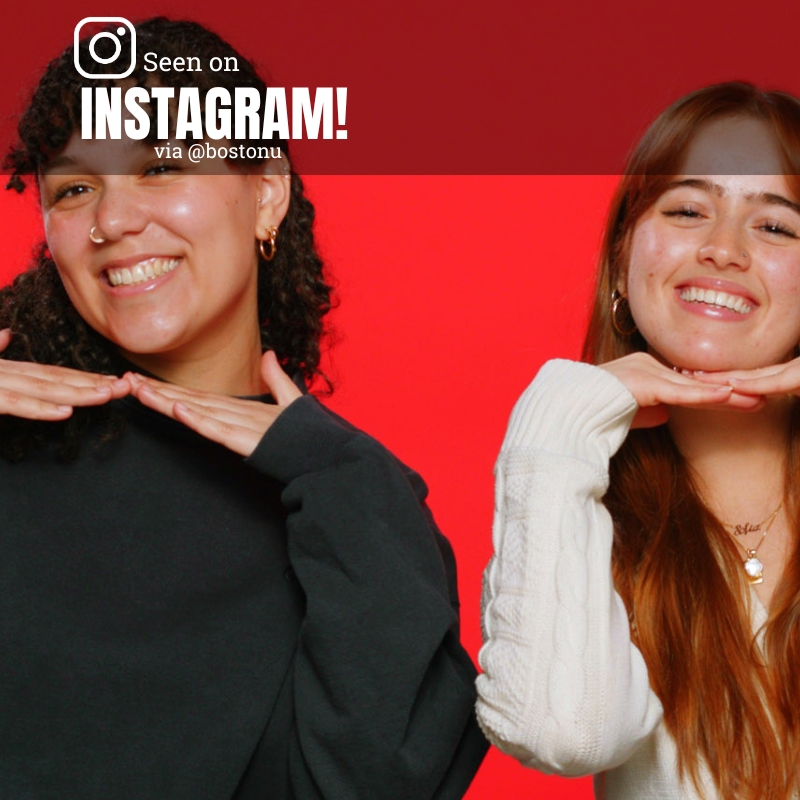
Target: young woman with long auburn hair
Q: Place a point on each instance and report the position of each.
(642, 606)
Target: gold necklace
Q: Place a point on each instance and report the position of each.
(753, 567)
(748, 527)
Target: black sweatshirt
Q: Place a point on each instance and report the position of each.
(179, 623)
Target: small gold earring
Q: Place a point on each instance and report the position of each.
(272, 237)
(619, 303)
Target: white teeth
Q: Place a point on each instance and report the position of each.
(143, 271)
(719, 299)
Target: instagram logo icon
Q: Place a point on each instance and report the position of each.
(122, 45)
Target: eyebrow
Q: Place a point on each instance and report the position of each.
(80, 166)
(57, 163)
(766, 198)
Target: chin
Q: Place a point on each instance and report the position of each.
(144, 336)
(700, 361)
(728, 363)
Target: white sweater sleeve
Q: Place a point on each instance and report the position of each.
(563, 687)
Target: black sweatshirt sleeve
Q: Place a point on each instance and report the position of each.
(383, 691)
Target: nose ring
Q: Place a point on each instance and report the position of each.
(95, 239)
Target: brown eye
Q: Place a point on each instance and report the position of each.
(70, 190)
(778, 229)
(162, 168)
(688, 213)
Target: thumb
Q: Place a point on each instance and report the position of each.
(280, 385)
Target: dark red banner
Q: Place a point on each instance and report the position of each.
(462, 88)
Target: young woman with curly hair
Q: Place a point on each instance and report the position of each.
(211, 586)
(642, 605)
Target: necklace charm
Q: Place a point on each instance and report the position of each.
(744, 528)
(748, 527)
(754, 568)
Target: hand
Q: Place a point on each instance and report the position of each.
(656, 387)
(236, 424)
(772, 381)
(42, 391)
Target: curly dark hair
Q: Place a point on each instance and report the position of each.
(293, 295)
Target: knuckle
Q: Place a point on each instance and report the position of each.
(225, 429)
(10, 399)
(41, 384)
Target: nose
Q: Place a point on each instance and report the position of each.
(119, 210)
(724, 247)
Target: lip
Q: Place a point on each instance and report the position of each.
(123, 290)
(719, 285)
(708, 311)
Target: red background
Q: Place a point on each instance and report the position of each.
(454, 288)
(449, 301)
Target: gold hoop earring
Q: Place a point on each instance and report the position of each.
(272, 237)
(620, 308)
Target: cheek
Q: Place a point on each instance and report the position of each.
(68, 242)
(181, 209)
(646, 255)
(212, 221)
(784, 287)
(184, 216)
(784, 275)
(655, 258)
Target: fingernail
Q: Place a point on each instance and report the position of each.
(120, 383)
(727, 388)
(104, 388)
(64, 408)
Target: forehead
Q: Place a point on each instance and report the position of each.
(733, 146)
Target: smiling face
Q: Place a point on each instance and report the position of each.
(714, 271)
(174, 283)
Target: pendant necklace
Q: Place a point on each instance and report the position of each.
(753, 567)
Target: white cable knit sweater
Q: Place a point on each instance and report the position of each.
(564, 690)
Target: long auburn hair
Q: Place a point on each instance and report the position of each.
(728, 702)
